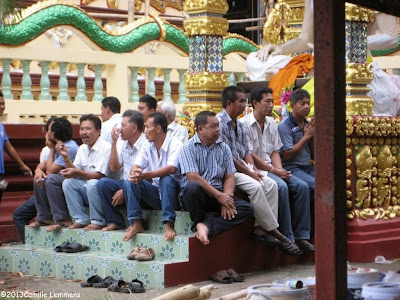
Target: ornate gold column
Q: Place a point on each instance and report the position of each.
(358, 71)
(205, 79)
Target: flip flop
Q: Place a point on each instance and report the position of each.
(306, 246)
(109, 280)
(60, 248)
(235, 276)
(221, 277)
(74, 248)
(91, 280)
(119, 286)
(289, 247)
(265, 238)
(137, 286)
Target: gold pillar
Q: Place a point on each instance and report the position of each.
(205, 79)
(358, 71)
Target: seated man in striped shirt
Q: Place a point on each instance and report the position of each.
(208, 181)
(123, 153)
(153, 178)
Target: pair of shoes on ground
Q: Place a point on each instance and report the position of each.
(227, 276)
(113, 285)
(141, 254)
(71, 247)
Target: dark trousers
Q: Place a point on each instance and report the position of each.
(106, 188)
(23, 214)
(198, 203)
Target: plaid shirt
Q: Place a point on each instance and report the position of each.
(238, 143)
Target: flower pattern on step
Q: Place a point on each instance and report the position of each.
(143, 277)
(90, 271)
(4, 264)
(57, 258)
(68, 271)
(130, 265)
(117, 274)
(45, 268)
(167, 252)
(156, 268)
(117, 247)
(29, 239)
(34, 255)
(49, 242)
(24, 266)
(80, 260)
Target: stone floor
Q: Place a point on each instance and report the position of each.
(40, 285)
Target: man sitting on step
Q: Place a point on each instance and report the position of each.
(123, 153)
(174, 129)
(91, 164)
(153, 178)
(208, 181)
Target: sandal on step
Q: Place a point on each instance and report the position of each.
(145, 254)
(266, 238)
(135, 251)
(109, 280)
(306, 246)
(60, 248)
(235, 276)
(37, 224)
(119, 286)
(136, 286)
(91, 280)
(221, 277)
(74, 248)
(288, 247)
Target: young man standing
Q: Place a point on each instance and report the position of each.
(208, 181)
(152, 178)
(262, 190)
(90, 164)
(264, 144)
(110, 114)
(123, 155)
(6, 145)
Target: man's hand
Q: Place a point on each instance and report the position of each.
(69, 173)
(39, 177)
(268, 50)
(282, 173)
(136, 174)
(115, 132)
(62, 149)
(118, 198)
(226, 200)
(227, 212)
(48, 142)
(256, 175)
(309, 129)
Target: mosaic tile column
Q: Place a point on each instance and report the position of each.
(358, 71)
(205, 79)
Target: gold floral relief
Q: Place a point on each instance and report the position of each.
(193, 108)
(385, 162)
(212, 6)
(206, 26)
(206, 81)
(364, 164)
(349, 125)
(358, 13)
(276, 28)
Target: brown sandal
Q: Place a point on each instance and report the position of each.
(221, 277)
(37, 224)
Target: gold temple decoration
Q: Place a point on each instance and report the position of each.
(276, 28)
(112, 3)
(202, 6)
(206, 81)
(364, 164)
(194, 108)
(354, 12)
(206, 26)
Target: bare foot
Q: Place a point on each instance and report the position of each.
(92, 226)
(133, 230)
(59, 225)
(36, 224)
(170, 232)
(202, 233)
(75, 226)
(111, 227)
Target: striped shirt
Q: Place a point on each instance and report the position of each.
(212, 163)
(238, 143)
(128, 154)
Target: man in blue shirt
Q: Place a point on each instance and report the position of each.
(6, 145)
(208, 181)
(297, 138)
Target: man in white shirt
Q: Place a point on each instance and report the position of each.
(167, 108)
(123, 155)
(90, 164)
(110, 114)
(264, 144)
(153, 179)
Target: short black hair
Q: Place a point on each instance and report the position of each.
(113, 103)
(47, 125)
(1, 94)
(135, 117)
(298, 95)
(258, 92)
(62, 129)
(91, 117)
(229, 93)
(160, 119)
(150, 101)
(201, 118)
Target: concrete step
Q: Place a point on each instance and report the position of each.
(46, 262)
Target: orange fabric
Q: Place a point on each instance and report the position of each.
(288, 75)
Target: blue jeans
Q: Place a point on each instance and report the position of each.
(145, 191)
(106, 188)
(79, 194)
(23, 214)
(305, 173)
(301, 196)
(198, 203)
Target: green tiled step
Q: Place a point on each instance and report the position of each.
(45, 262)
(109, 242)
